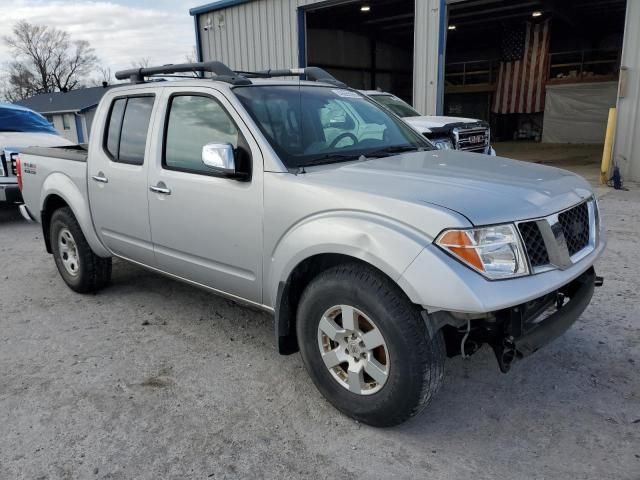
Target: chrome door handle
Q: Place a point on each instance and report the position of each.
(100, 178)
(162, 190)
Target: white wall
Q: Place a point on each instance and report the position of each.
(59, 126)
(627, 145)
(425, 56)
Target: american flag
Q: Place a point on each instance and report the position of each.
(523, 71)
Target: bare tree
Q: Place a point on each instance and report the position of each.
(191, 57)
(45, 60)
(103, 77)
(142, 62)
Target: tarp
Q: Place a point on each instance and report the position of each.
(577, 113)
(14, 118)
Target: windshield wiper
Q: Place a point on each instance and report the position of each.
(393, 150)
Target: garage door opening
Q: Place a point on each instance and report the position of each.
(543, 73)
(368, 45)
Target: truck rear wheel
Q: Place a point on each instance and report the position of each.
(367, 347)
(79, 267)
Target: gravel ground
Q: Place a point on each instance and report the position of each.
(154, 379)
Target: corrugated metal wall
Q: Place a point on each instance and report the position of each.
(255, 35)
(264, 34)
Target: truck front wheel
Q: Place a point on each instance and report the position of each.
(79, 267)
(367, 347)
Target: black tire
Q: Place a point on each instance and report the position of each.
(416, 361)
(93, 272)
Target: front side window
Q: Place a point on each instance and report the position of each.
(127, 128)
(194, 121)
(397, 106)
(309, 125)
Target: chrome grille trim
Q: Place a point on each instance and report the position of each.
(471, 139)
(555, 242)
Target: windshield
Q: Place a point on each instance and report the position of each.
(397, 106)
(308, 125)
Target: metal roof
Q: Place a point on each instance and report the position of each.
(216, 5)
(72, 101)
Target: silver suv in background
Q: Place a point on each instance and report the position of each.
(446, 133)
(378, 255)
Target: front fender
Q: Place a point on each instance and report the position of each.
(61, 185)
(382, 242)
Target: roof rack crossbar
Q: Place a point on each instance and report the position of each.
(314, 74)
(221, 71)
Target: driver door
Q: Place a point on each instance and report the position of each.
(206, 228)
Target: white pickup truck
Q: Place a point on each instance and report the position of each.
(19, 128)
(378, 254)
(446, 133)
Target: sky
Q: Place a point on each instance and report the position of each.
(120, 31)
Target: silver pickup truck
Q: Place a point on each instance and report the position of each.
(378, 254)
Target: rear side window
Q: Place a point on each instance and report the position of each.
(126, 135)
(115, 123)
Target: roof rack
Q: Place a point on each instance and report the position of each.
(225, 74)
(222, 72)
(315, 74)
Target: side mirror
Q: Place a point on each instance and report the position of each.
(220, 158)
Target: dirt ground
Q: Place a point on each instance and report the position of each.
(153, 379)
(582, 159)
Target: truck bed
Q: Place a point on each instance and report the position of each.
(50, 170)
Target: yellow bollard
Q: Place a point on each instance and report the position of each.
(608, 147)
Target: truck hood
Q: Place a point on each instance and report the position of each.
(426, 123)
(486, 190)
(17, 140)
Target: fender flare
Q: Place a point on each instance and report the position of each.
(384, 243)
(62, 186)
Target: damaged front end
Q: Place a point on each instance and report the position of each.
(517, 332)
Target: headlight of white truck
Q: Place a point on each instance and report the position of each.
(442, 143)
(496, 252)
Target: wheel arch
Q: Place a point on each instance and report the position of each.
(60, 191)
(290, 291)
(321, 241)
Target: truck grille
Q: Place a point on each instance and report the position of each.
(548, 245)
(471, 139)
(575, 226)
(534, 244)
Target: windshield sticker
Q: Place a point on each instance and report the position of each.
(346, 94)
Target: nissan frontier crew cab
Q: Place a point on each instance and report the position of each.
(378, 254)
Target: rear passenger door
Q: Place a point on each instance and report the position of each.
(117, 172)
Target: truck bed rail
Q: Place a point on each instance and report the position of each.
(76, 153)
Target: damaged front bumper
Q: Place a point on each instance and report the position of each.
(519, 331)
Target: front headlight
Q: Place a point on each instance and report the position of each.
(442, 143)
(496, 252)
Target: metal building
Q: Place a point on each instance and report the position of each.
(404, 47)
